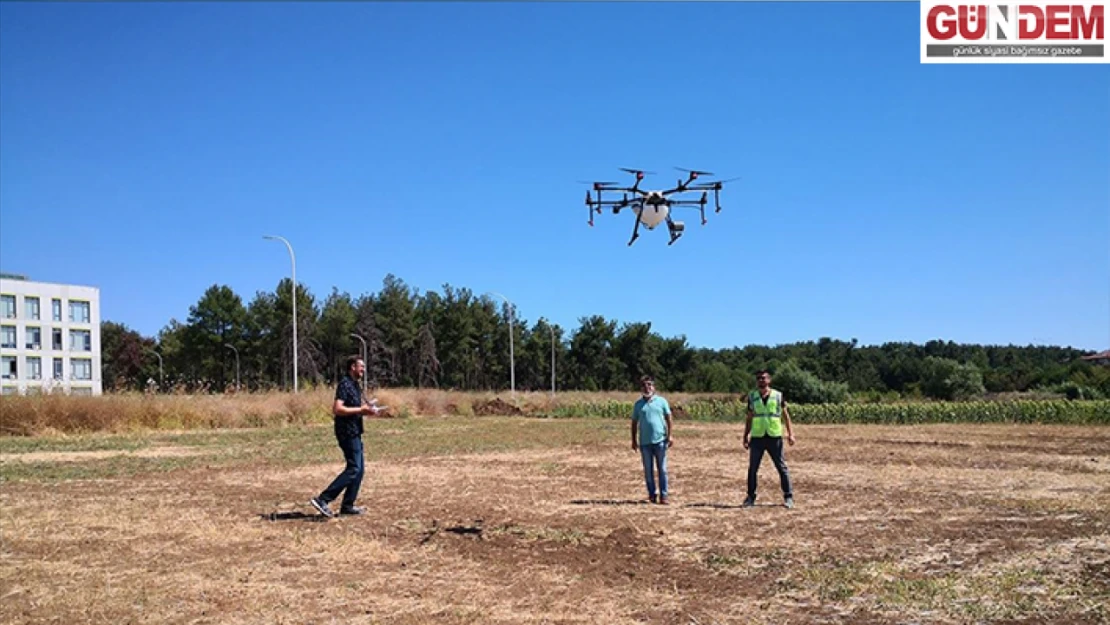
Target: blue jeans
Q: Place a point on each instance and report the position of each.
(655, 456)
(351, 477)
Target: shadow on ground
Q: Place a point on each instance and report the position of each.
(643, 502)
(611, 502)
(293, 516)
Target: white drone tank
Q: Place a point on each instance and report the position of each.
(652, 216)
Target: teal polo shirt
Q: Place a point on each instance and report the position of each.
(649, 415)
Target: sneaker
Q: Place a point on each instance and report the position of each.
(351, 510)
(652, 498)
(322, 506)
(748, 503)
(789, 502)
(663, 500)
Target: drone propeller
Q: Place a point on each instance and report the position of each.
(695, 173)
(638, 172)
(712, 184)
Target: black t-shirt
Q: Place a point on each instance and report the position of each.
(351, 396)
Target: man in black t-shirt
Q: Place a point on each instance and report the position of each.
(349, 408)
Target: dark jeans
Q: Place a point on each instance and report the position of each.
(773, 446)
(351, 477)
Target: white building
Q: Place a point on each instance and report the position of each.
(49, 337)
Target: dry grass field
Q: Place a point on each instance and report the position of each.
(521, 520)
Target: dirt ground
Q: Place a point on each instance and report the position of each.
(899, 524)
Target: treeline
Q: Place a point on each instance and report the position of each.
(455, 339)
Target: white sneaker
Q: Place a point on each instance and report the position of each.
(322, 507)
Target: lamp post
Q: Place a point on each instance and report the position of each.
(294, 261)
(232, 348)
(161, 378)
(363, 341)
(512, 361)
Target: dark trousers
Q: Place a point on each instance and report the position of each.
(351, 477)
(773, 446)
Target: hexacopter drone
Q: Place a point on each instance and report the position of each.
(654, 207)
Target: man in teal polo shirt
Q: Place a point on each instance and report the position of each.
(651, 415)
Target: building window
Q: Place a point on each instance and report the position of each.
(34, 368)
(80, 390)
(58, 371)
(7, 337)
(56, 339)
(80, 369)
(7, 367)
(7, 306)
(34, 338)
(80, 340)
(31, 305)
(8, 390)
(79, 312)
(56, 308)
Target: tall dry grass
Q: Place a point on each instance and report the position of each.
(125, 412)
(33, 415)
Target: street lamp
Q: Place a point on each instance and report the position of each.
(363, 358)
(294, 261)
(512, 362)
(161, 380)
(232, 348)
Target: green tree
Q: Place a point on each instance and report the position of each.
(945, 378)
(804, 387)
(338, 318)
(595, 366)
(638, 350)
(125, 363)
(310, 358)
(260, 360)
(218, 319)
(395, 311)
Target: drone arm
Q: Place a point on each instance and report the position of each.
(616, 202)
(684, 185)
(699, 203)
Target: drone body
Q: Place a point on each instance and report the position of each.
(653, 207)
(652, 215)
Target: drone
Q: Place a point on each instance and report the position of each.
(654, 207)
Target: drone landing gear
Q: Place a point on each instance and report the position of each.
(635, 230)
(676, 228)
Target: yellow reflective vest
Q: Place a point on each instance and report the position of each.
(766, 416)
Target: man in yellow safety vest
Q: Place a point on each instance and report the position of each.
(763, 431)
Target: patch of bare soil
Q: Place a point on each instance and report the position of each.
(83, 456)
(496, 407)
(928, 535)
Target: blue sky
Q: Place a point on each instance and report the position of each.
(147, 148)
